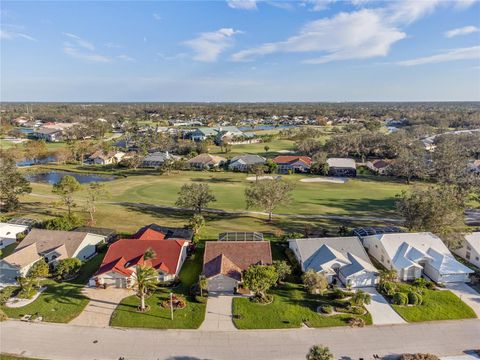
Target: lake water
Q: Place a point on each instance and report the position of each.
(28, 162)
(53, 177)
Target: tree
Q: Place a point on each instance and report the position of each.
(315, 282)
(202, 284)
(436, 209)
(411, 163)
(388, 275)
(319, 163)
(196, 223)
(268, 195)
(146, 280)
(257, 169)
(67, 268)
(39, 270)
(361, 297)
(266, 148)
(35, 150)
(65, 189)
(320, 352)
(260, 278)
(271, 166)
(195, 196)
(12, 184)
(282, 268)
(95, 191)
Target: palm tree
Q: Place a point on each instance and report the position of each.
(146, 280)
(319, 352)
(388, 275)
(202, 284)
(149, 254)
(361, 297)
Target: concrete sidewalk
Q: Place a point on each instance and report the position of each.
(468, 295)
(381, 311)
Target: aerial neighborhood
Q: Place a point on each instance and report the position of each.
(231, 223)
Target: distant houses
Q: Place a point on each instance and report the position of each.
(158, 158)
(52, 132)
(229, 134)
(342, 167)
(470, 248)
(342, 259)
(295, 164)
(244, 163)
(206, 161)
(9, 233)
(379, 166)
(101, 157)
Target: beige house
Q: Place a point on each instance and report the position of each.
(470, 249)
(206, 161)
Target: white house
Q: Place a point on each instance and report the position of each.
(416, 254)
(342, 258)
(52, 245)
(9, 233)
(245, 162)
(470, 249)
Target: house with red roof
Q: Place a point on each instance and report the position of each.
(298, 164)
(123, 256)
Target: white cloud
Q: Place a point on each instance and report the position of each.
(281, 5)
(82, 49)
(359, 34)
(89, 57)
(125, 57)
(11, 32)
(111, 45)
(318, 5)
(80, 42)
(242, 4)
(469, 53)
(461, 31)
(157, 17)
(409, 11)
(209, 45)
(463, 4)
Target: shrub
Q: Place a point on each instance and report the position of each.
(430, 285)
(3, 316)
(387, 287)
(356, 322)
(65, 223)
(414, 298)
(400, 298)
(68, 268)
(326, 309)
(339, 294)
(320, 352)
(6, 293)
(201, 299)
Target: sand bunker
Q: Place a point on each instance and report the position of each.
(254, 178)
(325, 179)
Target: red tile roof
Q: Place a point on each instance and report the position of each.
(149, 234)
(225, 257)
(127, 253)
(288, 159)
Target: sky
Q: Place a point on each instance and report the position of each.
(240, 50)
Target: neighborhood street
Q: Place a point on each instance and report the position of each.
(63, 342)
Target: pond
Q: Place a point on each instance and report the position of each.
(30, 162)
(53, 177)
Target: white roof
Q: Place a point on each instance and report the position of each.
(318, 253)
(341, 163)
(407, 249)
(473, 239)
(11, 231)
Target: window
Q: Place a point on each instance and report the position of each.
(388, 261)
(467, 255)
(376, 246)
(469, 248)
(477, 258)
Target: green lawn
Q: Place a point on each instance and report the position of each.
(191, 317)
(437, 305)
(291, 307)
(15, 357)
(60, 302)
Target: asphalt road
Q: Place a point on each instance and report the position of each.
(63, 342)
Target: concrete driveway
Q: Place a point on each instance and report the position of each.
(468, 295)
(101, 306)
(382, 312)
(218, 316)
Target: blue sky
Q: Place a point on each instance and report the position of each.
(240, 50)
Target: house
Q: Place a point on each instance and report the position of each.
(379, 166)
(342, 258)
(49, 134)
(341, 167)
(415, 254)
(118, 268)
(101, 157)
(156, 159)
(109, 234)
(52, 245)
(157, 232)
(470, 249)
(9, 233)
(203, 133)
(292, 163)
(224, 261)
(245, 162)
(206, 161)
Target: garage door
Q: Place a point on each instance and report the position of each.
(7, 276)
(454, 278)
(221, 284)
